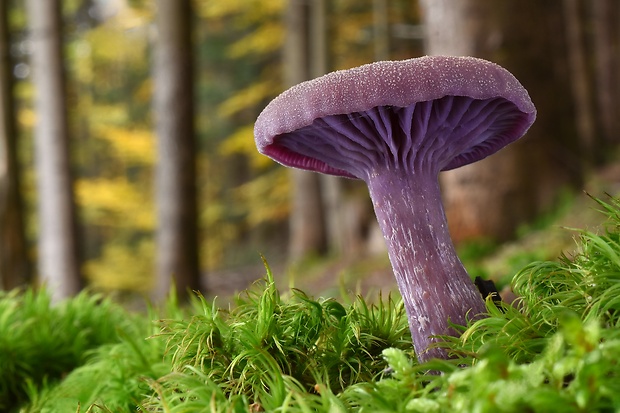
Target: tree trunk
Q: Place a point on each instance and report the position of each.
(604, 13)
(176, 192)
(490, 198)
(580, 80)
(331, 187)
(57, 243)
(307, 228)
(381, 29)
(14, 263)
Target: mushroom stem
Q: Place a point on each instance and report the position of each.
(435, 287)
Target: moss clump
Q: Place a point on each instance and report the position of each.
(40, 343)
(557, 349)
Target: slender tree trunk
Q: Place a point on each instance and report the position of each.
(490, 198)
(381, 29)
(176, 192)
(331, 187)
(606, 67)
(320, 61)
(307, 228)
(57, 243)
(14, 263)
(580, 80)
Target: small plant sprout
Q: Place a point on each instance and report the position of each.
(396, 125)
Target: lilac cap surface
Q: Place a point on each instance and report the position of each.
(457, 110)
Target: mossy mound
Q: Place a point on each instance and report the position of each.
(557, 348)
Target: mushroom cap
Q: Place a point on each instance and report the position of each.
(476, 106)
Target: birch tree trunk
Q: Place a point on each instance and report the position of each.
(176, 193)
(14, 262)
(490, 198)
(57, 240)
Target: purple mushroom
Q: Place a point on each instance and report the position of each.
(396, 125)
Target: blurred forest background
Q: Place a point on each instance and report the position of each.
(127, 159)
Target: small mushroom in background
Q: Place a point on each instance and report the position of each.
(396, 125)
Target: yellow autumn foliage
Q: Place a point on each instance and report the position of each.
(274, 189)
(242, 142)
(102, 114)
(113, 45)
(134, 146)
(26, 118)
(144, 93)
(221, 233)
(254, 10)
(267, 38)
(116, 202)
(248, 97)
(123, 267)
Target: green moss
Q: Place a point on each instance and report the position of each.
(557, 349)
(40, 343)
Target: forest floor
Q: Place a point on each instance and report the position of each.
(547, 239)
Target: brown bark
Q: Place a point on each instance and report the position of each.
(580, 80)
(176, 192)
(381, 28)
(492, 197)
(320, 37)
(14, 262)
(306, 222)
(331, 187)
(57, 240)
(606, 68)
